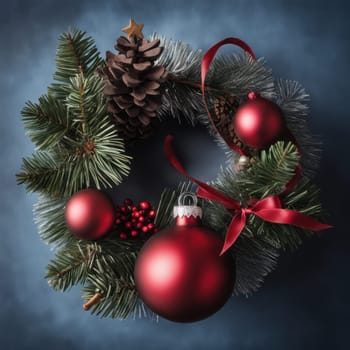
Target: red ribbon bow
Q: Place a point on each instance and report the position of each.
(268, 209)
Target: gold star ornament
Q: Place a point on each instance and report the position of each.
(133, 30)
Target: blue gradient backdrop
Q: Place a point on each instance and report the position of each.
(304, 304)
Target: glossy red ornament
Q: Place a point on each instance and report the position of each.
(179, 272)
(259, 122)
(89, 214)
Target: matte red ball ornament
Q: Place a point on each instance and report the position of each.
(89, 214)
(259, 122)
(179, 272)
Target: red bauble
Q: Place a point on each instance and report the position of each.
(89, 214)
(179, 272)
(259, 122)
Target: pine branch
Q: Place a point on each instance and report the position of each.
(238, 74)
(256, 249)
(182, 97)
(72, 265)
(40, 171)
(106, 266)
(49, 123)
(46, 122)
(83, 148)
(233, 74)
(96, 158)
(81, 101)
(76, 53)
(271, 172)
(119, 295)
(255, 259)
(49, 217)
(112, 276)
(98, 163)
(50, 174)
(293, 100)
(165, 207)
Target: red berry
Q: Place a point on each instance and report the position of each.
(122, 235)
(144, 205)
(118, 221)
(123, 218)
(253, 95)
(135, 214)
(141, 219)
(145, 229)
(139, 225)
(128, 202)
(134, 233)
(128, 225)
(150, 226)
(152, 214)
(134, 208)
(123, 209)
(134, 221)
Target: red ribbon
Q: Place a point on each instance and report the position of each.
(206, 61)
(268, 209)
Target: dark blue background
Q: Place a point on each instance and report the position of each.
(304, 304)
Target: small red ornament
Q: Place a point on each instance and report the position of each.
(259, 122)
(179, 272)
(89, 214)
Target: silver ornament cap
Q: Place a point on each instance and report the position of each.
(187, 210)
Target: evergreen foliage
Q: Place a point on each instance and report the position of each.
(77, 143)
(77, 146)
(257, 247)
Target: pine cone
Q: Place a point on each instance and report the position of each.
(133, 86)
(225, 108)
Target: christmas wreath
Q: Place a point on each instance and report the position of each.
(261, 203)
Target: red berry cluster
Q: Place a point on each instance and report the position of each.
(135, 221)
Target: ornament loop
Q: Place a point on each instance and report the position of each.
(182, 199)
(187, 210)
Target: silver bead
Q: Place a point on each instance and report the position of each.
(243, 161)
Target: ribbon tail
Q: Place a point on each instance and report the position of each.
(205, 191)
(234, 230)
(291, 217)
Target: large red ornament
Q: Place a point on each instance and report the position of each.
(89, 214)
(179, 272)
(259, 122)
